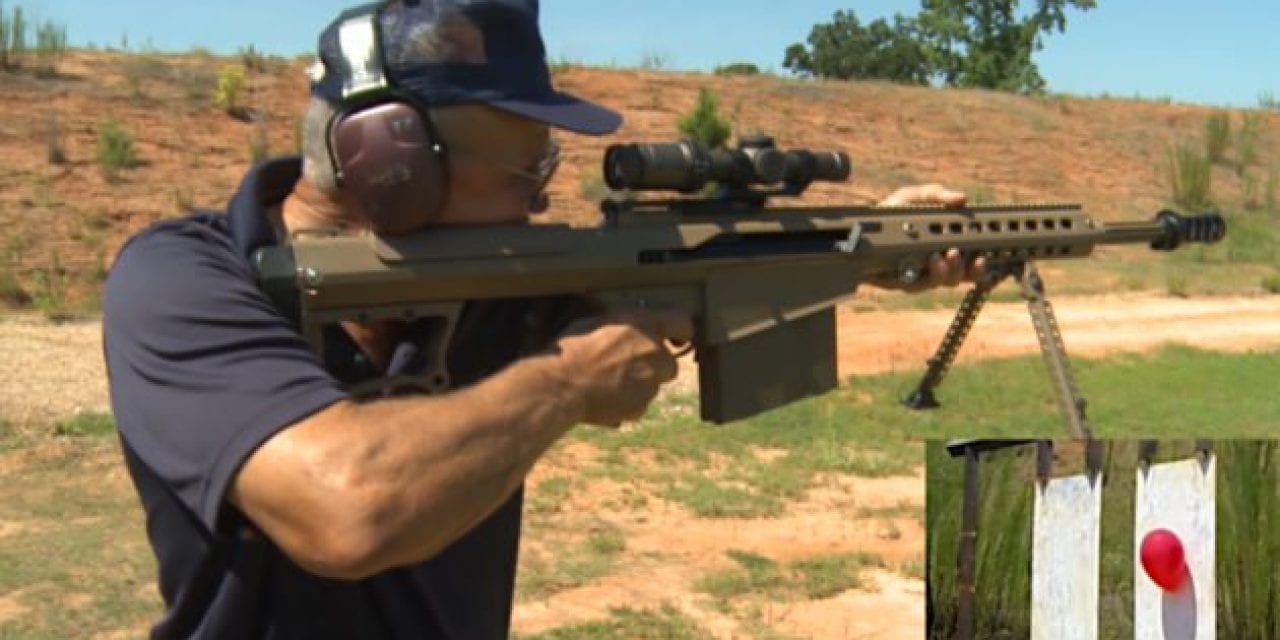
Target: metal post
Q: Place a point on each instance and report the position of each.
(968, 546)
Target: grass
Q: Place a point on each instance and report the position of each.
(86, 424)
(1247, 509)
(1190, 177)
(115, 149)
(591, 558)
(666, 623)
(717, 472)
(75, 559)
(812, 578)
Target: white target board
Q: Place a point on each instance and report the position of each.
(1178, 497)
(1064, 560)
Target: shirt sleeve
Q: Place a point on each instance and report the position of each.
(202, 368)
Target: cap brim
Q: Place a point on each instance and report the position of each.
(564, 111)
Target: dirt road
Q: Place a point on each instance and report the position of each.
(49, 372)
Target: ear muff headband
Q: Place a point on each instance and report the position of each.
(386, 156)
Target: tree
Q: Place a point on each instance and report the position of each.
(845, 49)
(984, 43)
(958, 43)
(703, 123)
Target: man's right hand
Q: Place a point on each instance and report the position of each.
(617, 362)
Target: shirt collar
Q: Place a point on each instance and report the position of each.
(265, 186)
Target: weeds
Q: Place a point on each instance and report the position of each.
(49, 293)
(1190, 176)
(253, 60)
(230, 85)
(1177, 285)
(50, 43)
(813, 578)
(703, 123)
(115, 149)
(629, 624)
(1246, 142)
(1269, 191)
(51, 46)
(738, 69)
(655, 60)
(1217, 136)
(55, 151)
(575, 566)
(86, 424)
(259, 142)
(591, 185)
(12, 294)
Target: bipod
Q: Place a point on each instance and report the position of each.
(1070, 402)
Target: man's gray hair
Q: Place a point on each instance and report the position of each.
(317, 166)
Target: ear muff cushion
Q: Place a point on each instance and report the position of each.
(391, 168)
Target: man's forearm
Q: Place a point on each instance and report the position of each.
(397, 480)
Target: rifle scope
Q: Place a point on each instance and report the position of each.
(687, 166)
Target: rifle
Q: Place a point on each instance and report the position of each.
(760, 281)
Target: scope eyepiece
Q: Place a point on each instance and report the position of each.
(687, 166)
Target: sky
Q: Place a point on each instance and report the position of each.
(1222, 52)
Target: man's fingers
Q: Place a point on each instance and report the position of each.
(924, 194)
(977, 269)
(662, 324)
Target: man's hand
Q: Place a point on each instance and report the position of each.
(618, 361)
(944, 270)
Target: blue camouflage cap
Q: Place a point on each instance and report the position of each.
(450, 52)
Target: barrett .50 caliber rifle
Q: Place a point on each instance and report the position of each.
(760, 281)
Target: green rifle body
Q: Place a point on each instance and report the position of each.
(760, 282)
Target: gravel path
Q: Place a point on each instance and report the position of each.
(50, 372)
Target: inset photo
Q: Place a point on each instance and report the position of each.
(1111, 539)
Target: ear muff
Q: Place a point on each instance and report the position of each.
(390, 166)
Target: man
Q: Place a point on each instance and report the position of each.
(278, 505)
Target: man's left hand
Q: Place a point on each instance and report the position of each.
(946, 270)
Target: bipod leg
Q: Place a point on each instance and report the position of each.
(923, 397)
(1070, 402)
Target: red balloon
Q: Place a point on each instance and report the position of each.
(1164, 559)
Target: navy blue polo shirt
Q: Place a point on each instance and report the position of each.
(203, 370)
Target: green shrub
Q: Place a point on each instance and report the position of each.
(55, 152)
(1269, 191)
(86, 424)
(591, 186)
(738, 69)
(1271, 284)
(1190, 176)
(11, 292)
(230, 84)
(703, 123)
(259, 143)
(51, 45)
(253, 60)
(115, 148)
(50, 291)
(1217, 136)
(1247, 141)
(17, 37)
